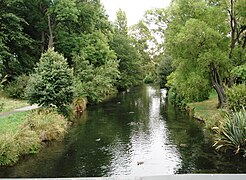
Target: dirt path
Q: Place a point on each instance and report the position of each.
(27, 108)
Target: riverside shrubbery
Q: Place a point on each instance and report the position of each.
(231, 133)
(39, 126)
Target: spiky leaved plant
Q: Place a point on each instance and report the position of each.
(231, 133)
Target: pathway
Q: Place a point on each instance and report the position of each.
(27, 108)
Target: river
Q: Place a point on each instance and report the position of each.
(135, 133)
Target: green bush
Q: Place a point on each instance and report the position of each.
(231, 134)
(16, 89)
(52, 82)
(236, 96)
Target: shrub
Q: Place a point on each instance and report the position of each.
(13, 145)
(16, 89)
(27, 141)
(47, 124)
(231, 134)
(236, 96)
(52, 82)
(8, 149)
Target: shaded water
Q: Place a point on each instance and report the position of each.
(135, 133)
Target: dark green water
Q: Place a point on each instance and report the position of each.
(135, 133)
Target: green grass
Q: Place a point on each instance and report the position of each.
(11, 104)
(11, 122)
(207, 110)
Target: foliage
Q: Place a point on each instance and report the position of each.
(17, 55)
(23, 133)
(51, 84)
(14, 145)
(196, 40)
(121, 22)
(145, 43)
(231, 134)
(236, 96)
(94, 48)
(95, 83)
(239, 72)
(47, 124)
(165, 69)
(16, 89)
(127, 54)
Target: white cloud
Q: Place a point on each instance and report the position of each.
(134, 8)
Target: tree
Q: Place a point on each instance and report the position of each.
(145, 44)
(196, 39)
(127, 54)
(96, 68)
(52, 82)
(121, 22)
(16, 46)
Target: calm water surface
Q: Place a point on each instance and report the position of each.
(135, 133)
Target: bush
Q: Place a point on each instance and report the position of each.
(231, 134)
(47, 124)
(16, 89)
(52, 82)
(14, 145)
(8, 149)
(236, 96)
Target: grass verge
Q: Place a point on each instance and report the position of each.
(11, 104)
(207, 111)
(23, 133)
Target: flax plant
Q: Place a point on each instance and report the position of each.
(231, 133)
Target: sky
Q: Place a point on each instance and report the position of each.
(134, 8)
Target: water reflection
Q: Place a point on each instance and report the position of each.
(150, 151)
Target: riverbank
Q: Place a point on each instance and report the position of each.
(206, 111)
(24, 133)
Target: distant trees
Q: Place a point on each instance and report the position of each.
(127, 55)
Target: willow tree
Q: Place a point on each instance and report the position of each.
(196, 39)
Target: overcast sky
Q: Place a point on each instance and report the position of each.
(134, 8)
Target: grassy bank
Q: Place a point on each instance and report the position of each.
(24, 133)
(207, 111)
(7, 104)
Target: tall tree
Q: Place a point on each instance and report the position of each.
(127, 55)
(16, 54)
(196, 39)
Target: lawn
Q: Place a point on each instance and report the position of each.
(207, 110)
(11, 122)
(7, 104)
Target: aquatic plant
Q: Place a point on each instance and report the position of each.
(231, 133)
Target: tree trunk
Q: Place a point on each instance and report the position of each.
(218, 86)
(51, 37)
(42, 41)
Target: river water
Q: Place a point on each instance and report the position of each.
(135, 133)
